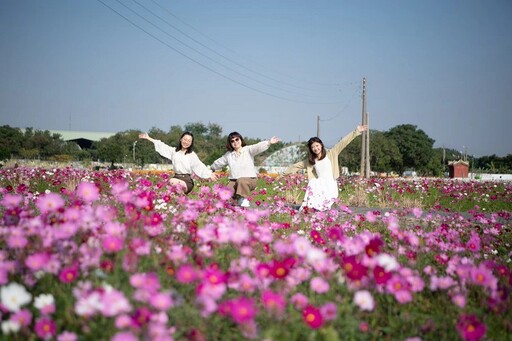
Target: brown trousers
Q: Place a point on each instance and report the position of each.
(188, 181)
(242, 186)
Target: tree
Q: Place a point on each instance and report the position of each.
(414, 145)
(11, 141)
(198, 129)
(384, 153)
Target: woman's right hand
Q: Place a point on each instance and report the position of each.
(144, 136)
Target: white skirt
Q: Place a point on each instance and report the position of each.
(320, 193)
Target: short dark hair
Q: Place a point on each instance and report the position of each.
(189, 149)
(232, 136)
(311, 155)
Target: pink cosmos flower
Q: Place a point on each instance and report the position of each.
(470, 328)
(45, 328)
(161, 301)
(299, 301)
(214, 276)
(370, 217)
(37, 261)
(11, 200)
(274, 303)
(224, 193)
(319, 285)
(242, 309)
(17, 241)
(459, 300)
(417, 212)
(312, 317)
(88, 192)
(186, 274)
(124, 336)
(49, 202)
(148, 281)
(23, 317)
(329, 311)
(114, 302)
(483, 276)
(67, 336)
(112, 244)
(474, 242)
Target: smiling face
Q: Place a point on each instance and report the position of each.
(186, 141)
(316, 148)
(236, 143)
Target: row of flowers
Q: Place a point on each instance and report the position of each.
(123, 256)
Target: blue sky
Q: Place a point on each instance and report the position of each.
(261, 68)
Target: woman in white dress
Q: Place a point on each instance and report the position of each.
(184, 161)
(323, 170)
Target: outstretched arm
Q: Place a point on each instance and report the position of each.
(295, 168)
(160, 147)
(344, 142)
(145, 136)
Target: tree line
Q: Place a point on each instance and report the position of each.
(403, 147)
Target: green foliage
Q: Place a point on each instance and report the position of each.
(414, 145)
(402, 147)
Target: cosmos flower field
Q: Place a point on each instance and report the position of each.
(118, 255)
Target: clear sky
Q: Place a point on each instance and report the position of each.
(261, 67)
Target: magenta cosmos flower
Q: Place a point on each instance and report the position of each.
(45, 328)
(312, 317)
(470, 328)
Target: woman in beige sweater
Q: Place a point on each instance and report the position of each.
(323, 170)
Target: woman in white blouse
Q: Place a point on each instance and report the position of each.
(184, 160)
(240, 159)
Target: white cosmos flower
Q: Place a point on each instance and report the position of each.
(364, 300)
(388, 262)
(10, 327)
(43, 300)
(14, 295)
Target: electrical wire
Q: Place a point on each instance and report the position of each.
(237, 54)
(201, 64)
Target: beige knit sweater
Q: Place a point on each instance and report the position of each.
(332, 154)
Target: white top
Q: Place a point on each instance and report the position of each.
(241, 163)
(183, 163)
(322, 191)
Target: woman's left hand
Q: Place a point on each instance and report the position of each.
(274, 139)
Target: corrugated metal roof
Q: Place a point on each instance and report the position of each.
(68, 135)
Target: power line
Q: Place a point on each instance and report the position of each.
(204, 55)
(201, 64)
(357, 90)
(237, 54)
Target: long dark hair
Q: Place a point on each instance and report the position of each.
(311, 155)
(189, 149)
(232, 136)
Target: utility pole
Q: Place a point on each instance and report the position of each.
(318, 126)
(134, 144)
(364, 135)
(367, 166)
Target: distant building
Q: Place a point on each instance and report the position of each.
(84, 139)
(458, 169)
